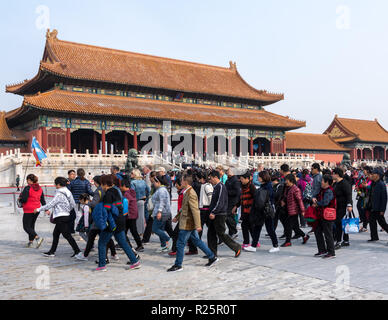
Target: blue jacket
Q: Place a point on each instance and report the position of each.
(103, 218)
(379, 196)
(141, 188)
(78, 187)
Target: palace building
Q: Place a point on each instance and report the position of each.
(322, 146)
(102, 100)
(366, 140)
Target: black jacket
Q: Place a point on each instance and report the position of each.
(219, 203)
(379, 196)
(233, 185)
(343, 194)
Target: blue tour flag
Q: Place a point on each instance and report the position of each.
(37, 151)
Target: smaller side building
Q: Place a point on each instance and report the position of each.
(366, 140)
(322, 146)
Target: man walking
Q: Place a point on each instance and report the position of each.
(378, 204)
(189, 219)
(217, 217)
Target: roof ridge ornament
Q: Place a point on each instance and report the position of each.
(52, 35)
(233, 66)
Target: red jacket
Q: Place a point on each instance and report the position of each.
(295, 201)
(32, 198)
(132, 204)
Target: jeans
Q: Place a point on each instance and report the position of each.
(105, 236)
(373, 219)
(184, 236)
(140, 222)
(29, 220)
(325, 228)
(158, 227)
(91, 237)
(269, 225)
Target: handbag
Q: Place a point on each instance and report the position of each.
(351, 224)
(311, 215)
(330, 214)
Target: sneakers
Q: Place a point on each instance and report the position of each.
(81, 257)
(328, 256)
(135, 266)
(286, 244)
(172, 253)
(305, 239)
(250, 249)
(337, 246)
(162, 249)
(345, 244)
(49, 255)
(212, 261)
(102, 269)
(29, 245)
(140, 249)
(245, 246)
(363, 229)
(169, 245)
(238, 253)
(320, 254)
(175, 268)
(38, 242)
(115, 258)
(274, 249)
(258, 245)
(373, 240)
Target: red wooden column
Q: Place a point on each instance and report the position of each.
(135, 141)
(251, 147)
(44, 138)
(373, 153)
(385, 154)
(271, 147)
(205, 146)
(126, 143)
(103, 142)
(284, 146)
(95, 147)
(68, 140)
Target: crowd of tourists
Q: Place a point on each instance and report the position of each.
(218, 198)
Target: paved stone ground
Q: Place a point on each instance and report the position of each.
(292, 273)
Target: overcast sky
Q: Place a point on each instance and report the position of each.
(327, 56)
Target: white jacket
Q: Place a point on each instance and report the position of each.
(62, 203)
(205, 196)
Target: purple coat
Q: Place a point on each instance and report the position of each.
(302, 183)
(132, 204)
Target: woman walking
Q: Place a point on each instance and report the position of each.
(61, 206)
(142, 192)
(263, 201)
(110, 200)
(294, 206)
(325, 199)
(161, 212)
(32, 198)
